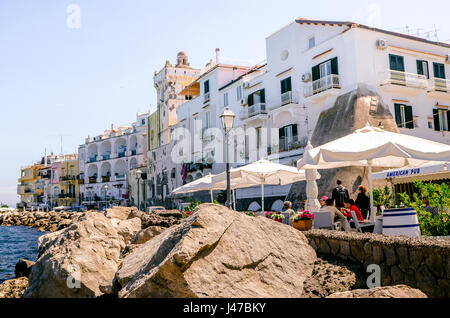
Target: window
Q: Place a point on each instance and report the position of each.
(422, 68)
(441, 119)
(312, 42)
(287, 135)
(396, 63)
(197, 124)
(225, 99)
(439, 70)
(206, 86)
(207, 120)
(325, 69)
(238, 93)
(404, 116)
(143, 121)
(286, 85)
(257, 97)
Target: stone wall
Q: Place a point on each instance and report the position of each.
(422, 263)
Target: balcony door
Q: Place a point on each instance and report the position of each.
(322, 75)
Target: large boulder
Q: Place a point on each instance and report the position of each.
(217, 252)
(399, 291)
(88, 251)
(23, 268)
(13, 288)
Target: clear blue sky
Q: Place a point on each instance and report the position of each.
(75, 82)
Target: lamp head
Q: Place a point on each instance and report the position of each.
(227, 118)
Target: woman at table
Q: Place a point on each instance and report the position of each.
(363, 201)
(349, 205)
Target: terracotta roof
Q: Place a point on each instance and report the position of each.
(357, 25)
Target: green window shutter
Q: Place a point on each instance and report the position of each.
(283, 89)
(409, 117)
(398, 118)
(294, 132)
(250, 100)
(281, 132)
(437, 124)
(392, 62)
(315, 73)
(420, 68)
(288, 84)
(448, 119)
(334, 66)
(263, 95)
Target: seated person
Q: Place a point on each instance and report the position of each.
(323, 201)
(349, 205)
(336, 214)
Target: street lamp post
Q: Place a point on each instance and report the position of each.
(106, 195)
(227, 123)
(138, 175)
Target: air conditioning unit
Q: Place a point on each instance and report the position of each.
(382, 44)
(306, 77)
(243, 101)
(448, 58)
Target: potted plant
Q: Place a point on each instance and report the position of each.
(250, 213)
(302, 221)
(277, 217)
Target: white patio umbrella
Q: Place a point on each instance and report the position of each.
(262, 172)
(374, 147)
(202, 184)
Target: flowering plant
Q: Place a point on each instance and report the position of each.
(186, 214)
(304, 216)
(250, 213)
(277, 216)
(269, 214)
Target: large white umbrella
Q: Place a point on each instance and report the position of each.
(262, 172)
(374, 147)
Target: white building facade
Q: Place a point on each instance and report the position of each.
(104, 162)
(309, 65)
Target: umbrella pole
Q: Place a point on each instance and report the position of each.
(262, 197)
(372, 214)
(234, 199)
(212, 197)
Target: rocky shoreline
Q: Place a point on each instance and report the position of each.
(215, 252)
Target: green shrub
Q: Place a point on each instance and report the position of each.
(438, 196)
(192, 205)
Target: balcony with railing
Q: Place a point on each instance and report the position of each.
(256, 109)
(328, 85)
(286, 145)
(120, 177)
(93, 179)
(439, 88)
(409, 83)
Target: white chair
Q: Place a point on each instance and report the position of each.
(323, 220)
(360, 226)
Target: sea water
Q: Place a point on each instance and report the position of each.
(16, 242)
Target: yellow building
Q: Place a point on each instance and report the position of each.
(65, 182)
(30, 187)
